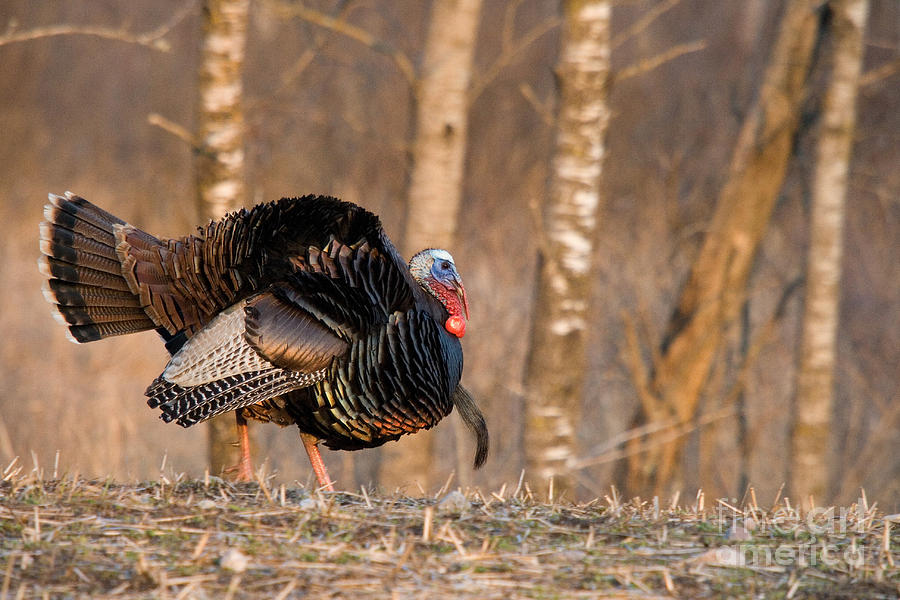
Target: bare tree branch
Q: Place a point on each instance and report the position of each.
(179, 131)
(673, 430)
(888, 69)
(325, 117)
(541, 108)
(339, 25)
(509, 22)
(640, 377)
(648, 64)
(508, 55)
(864, 463)
(641, 24)
(661, 425)
(302, 63)
(154, 39)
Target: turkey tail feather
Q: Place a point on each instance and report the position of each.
(474, 420)
(84, 274)
(193, 404)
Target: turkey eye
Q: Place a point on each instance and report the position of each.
(445, 265)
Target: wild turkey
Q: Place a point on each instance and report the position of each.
(296, 311)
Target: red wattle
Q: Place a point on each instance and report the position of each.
(456, 325)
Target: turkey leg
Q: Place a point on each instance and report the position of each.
(310, 442)
(244, 467)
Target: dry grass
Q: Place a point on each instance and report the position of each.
(174, 538)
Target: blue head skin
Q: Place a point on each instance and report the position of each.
(435, 271)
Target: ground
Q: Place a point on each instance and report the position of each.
(176, 538)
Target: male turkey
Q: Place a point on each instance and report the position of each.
(296, 311)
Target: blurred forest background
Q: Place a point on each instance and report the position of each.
(100, 97)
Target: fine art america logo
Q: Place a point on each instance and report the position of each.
(824, 537)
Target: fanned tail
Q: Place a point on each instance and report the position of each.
(193, 404)
(84, 274)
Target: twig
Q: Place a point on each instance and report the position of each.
(8, 574)
(645, 430)
(865, 460)
(153, 39)
(175, 129)
(640, 378)
(446, 485)
(541, 108)
(874, 76)
(448, 533)
(339, 25)
(293, 73)
(676, 431)
(232, 586)
(284, 593)
(428, 519)
(509, 20)
(648, 64)
(6, 447)
(201, 544)
(641, 24)
(262, 485)
(508, 55)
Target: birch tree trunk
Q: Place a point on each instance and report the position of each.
(712, 297)
(220, 163)
(436, 186)
(812, 411)
(556, 363)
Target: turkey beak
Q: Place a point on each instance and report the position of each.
(461, 294)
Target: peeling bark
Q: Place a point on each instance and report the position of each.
(812, 418)
(435, 192)
(557, 362)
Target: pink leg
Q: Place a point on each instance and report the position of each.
(245, 466)
(310, 442)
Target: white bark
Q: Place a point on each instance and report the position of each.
(220, 119)
(441, 126)
(220, 162)
(812, 424)
(557, 359)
